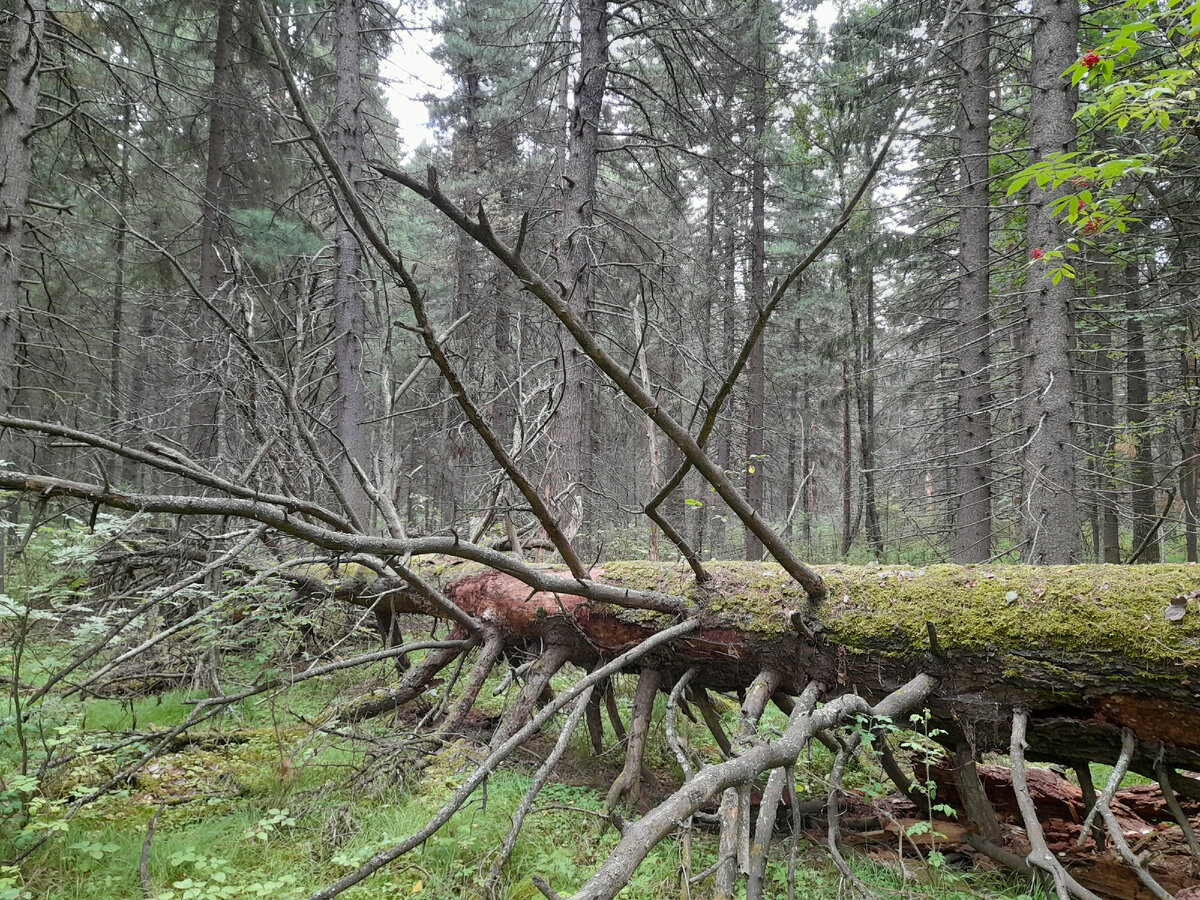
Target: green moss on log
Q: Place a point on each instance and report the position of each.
(1083, 610)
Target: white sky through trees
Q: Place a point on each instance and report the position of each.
(411, 73)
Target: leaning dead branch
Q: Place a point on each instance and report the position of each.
(1040, 856)
(1115, 834)
(1177, 813)
(535, 787)
(833, 835)
(764, 829)
(628, 786)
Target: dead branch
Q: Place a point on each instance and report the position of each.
(1115, 834)
(281, 518)
(1040, 856)
(144, 861)
(644, 834)
(763, 831)
(498, 755)
(1177, 813)
(833, 835)
(535, 787)
(628, 785)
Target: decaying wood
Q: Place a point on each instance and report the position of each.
(628, 786)
(1086, 650)
(641, 836)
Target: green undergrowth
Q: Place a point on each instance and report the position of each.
(261, 805)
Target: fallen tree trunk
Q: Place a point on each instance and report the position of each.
(1089, 650)
(1094, 663)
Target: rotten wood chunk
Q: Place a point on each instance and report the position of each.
(1137, 808)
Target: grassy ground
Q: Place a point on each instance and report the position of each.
(265, 805)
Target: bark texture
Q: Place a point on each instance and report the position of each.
(1141, 473)
(203, 425)
(349, 310)
(1050, 516)
(570, 431)
(25, 20)
(756, 373)
(973, 501)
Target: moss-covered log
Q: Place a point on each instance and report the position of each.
(1089, 650)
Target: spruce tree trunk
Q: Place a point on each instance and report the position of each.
(861, 334)
(728, 341)
(796, 425)
(117, 333)
(1050, 512)
(1087, 649)
(1189, 470)
(203, 415)
(756, 374)
(349, 308)
(1141, 474)
(1189, 484)
(25, 22)
(1105, 424)
(570, 435)
(973, 494)
(847, 461)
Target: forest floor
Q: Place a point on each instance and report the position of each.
(271, 803)
(268, 803)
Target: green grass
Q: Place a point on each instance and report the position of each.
(266, 807)
(221, 851)
(1101, 773)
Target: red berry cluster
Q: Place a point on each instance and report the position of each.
(1038, 253)
(1090, 59)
